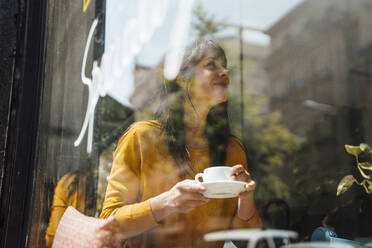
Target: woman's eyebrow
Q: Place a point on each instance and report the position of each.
(224, 63)
(214, 58)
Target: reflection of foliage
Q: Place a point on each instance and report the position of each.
(269, 146)
(205, 25)
(314, 177)
(322, 159)
(271, 186)
(272, 142)
(363, 156)
(114, 120)
(319, 164)
(113, 111)
(268, 142)
(105, 163)
(146, 114)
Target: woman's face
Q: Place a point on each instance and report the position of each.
(210, 81)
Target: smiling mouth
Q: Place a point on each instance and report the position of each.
(223, 84)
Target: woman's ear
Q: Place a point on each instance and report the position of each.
(181, 81)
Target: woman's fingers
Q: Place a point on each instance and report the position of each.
(190, 186)
(239, 173)
(245, 177)
(192, 190)
(248, 189)
(237, 169)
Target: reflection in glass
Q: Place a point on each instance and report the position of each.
(300, 87)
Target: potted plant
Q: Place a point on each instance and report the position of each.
(363, 156)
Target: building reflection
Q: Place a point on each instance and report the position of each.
(319, 71)
(318, 53)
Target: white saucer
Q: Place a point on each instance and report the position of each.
(223, 189)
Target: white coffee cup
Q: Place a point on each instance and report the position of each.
(215, 173)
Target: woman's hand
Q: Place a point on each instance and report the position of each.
(108, 235)
(246, 205)
(238, 173)
(182, 198)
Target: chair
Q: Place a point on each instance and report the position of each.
(252, 235)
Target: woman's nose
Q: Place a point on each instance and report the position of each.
(225, 72)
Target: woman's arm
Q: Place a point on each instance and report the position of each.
(58, 208)
(123, 198)
(61, 200)
(247, 211)
(123, 193)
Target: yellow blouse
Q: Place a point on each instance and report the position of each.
(61, 200)
(143, 168)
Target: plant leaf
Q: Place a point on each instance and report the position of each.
(345, 184)
(353, 150)
(369, 191)
(363, 174)
(367, 185)
(366, 165)
(364, 147)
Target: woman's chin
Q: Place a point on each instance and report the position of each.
(220, 95)
(220, 99)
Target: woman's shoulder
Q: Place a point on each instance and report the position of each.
(146, 126)
(63, 185)
(142, 129)
(67, 179)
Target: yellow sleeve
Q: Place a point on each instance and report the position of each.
(123, 192)
(61, 200)
(236, 155)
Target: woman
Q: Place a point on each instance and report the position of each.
(150, 189)
(70, 191)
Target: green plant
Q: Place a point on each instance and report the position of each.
(205, 24)
(363, 156)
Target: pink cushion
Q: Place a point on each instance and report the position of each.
(78, 230)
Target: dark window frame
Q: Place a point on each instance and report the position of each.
(27, 84)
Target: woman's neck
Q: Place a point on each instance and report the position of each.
(195, 119)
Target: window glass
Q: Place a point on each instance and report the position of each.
(298, 101)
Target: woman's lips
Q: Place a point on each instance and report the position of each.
(222, 83)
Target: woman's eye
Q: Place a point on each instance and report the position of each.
(211, 64)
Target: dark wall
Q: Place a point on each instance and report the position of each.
(8, 33)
